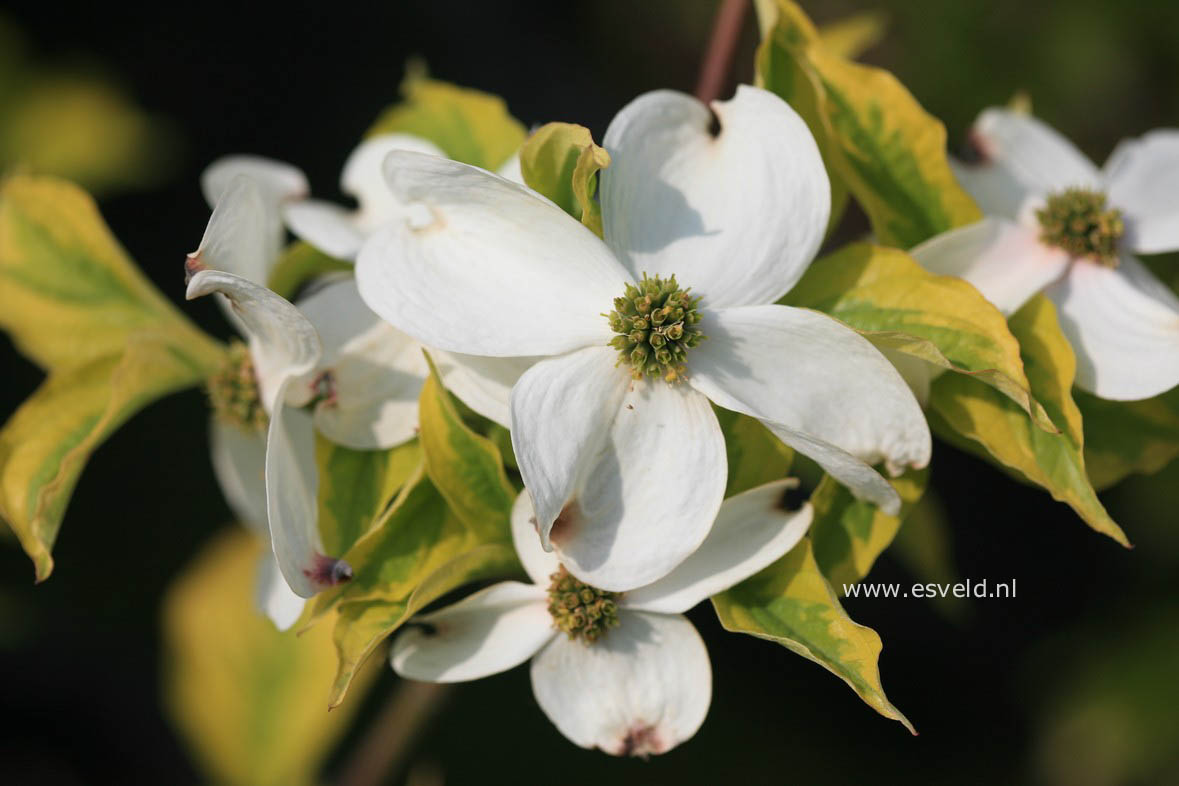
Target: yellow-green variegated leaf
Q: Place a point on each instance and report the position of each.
(300, 263)
(362, 626)
(357, 486)
(1128, 437)
(900, 306)
(417, 543)
(249, 701)
(755, 455)
(469, 125)
(69, 291)
(75, 304)
(873, 135)
(45, 444)
(561, 161)
(791, 603)
(466, 468)
(978, 418)
(849, 534)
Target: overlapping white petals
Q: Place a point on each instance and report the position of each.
(1004, 261)
(239, 464)
(642, 689)
(1035, 154)
(483, 266)
(235, 239)
(488, 632)
(482, 383)
(677, 200)
(372, 372)
(276, 184)
(283, 343)
(815, 376)
(1141, 176)
(753, 530)
(562, 409)
(1123, 325)
(540, 565)
(341, 232)
(996, 191)
(626, 476)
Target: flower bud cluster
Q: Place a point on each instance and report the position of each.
(657, 323)
(581, 611)
(233, 391)
(1078, 221)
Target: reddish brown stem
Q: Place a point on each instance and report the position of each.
(726, 29)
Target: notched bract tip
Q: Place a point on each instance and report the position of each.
(328, 572)
(641, 741)
(192, 266)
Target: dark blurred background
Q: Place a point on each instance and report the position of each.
(1070, 682)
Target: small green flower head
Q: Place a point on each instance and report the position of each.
(657, 323)
(582, 611)
(233, 391)
(1078, 221)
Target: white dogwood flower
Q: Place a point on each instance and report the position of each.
(627, 673)
(614, 431)
(327, 364)
(1057, 224)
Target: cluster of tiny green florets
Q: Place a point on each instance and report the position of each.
(233, 391)
(1078, 221)
(656, 323)
(582, 611)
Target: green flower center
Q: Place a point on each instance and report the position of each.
(233, 391)
(1078, 221)
(657, 323)
(582, 611)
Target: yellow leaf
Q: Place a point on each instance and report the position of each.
(873, 135)
(851, 36)
(981, 420)
(561, 161)
(469, 125)
(791, 603)
(249, 701)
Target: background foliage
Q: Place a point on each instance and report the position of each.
(982, 684)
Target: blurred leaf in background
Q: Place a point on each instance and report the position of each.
(250, 702)
(77, 123)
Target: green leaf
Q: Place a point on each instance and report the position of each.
(980, 419)
(791, 603)
(249, 701)
(872, 133)
(467, 469)
(755, 455)
(300, 263)
(1128, 437)
(357, 486)
(900, 306)
(76, 304)
(470, 126)
(561, 161)
(849, 534)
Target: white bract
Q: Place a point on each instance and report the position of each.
(1058, 225)
(358, 377)
(341, 232)
(625, 673)
(627, 470)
